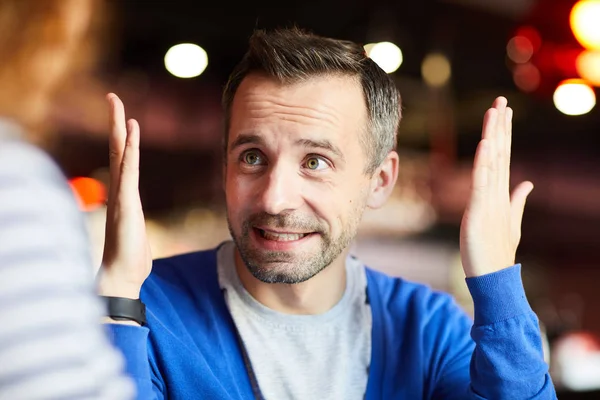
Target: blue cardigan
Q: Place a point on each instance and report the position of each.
(421, 347)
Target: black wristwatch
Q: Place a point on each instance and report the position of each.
(123, 309)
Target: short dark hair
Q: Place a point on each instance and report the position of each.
(292, 55)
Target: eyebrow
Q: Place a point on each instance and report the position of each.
(322, 144)
(246, 139)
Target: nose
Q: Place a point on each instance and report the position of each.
(281, 190)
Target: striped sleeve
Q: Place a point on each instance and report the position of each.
(52, 344)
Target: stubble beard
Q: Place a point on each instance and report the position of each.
(291, 267)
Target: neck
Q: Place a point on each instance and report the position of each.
(314, 296)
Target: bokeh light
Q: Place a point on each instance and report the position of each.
(532, 34)
(385, 54)
(574, 97)
(527, 77)
(436, 69)
(186, 60)
(90, 193)
(585, 23)
(519, 49)
(588, 66)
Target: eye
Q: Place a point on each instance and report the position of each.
(252, 157)
(316, 163)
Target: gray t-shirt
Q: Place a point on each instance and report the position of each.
(304, 357)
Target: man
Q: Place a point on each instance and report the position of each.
(284, 312)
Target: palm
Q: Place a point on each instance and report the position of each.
(127, 259)
(491, 225)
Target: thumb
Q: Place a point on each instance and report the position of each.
(518, 199)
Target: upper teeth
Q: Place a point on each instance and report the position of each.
(282, 237)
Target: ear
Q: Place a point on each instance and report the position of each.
(383, 181)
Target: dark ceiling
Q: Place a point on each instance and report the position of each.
(472, 33)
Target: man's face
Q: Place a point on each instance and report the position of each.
(295, 182)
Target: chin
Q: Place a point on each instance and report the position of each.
(286, 273)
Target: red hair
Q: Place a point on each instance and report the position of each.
(40, 43)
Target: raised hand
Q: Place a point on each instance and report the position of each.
(491, 225)
(127, 261)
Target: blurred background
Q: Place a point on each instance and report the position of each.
(169, 60)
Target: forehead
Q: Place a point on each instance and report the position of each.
(322, 103)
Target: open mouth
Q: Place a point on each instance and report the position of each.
(281, 236)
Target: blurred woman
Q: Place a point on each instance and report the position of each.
(52, 345)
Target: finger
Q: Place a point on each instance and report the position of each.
(501, 160)
(481, 171)
(500, 133)
(489, 123)
(508, 143)
(518, 199)
(500, 102)
(116, 140)
(130, 166)
(499, 105)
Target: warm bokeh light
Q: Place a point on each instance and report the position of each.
(532, 34)
(186, 60)
(574, 97)
(527, 77)
(89, 192)
(588, 66)
(436, 69)
(386, 54)
(585, 23)
(519, 49)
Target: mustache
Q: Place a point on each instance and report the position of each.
(283, 221)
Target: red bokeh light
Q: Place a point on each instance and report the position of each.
(90, 192)
(532, 34)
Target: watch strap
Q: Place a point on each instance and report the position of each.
(124, 309)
